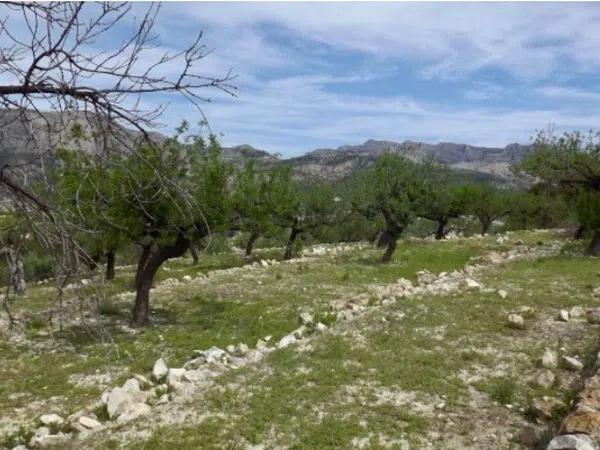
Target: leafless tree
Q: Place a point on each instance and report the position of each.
(55, 57)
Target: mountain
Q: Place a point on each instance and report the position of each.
(339, 163)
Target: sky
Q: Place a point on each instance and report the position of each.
(320, 75)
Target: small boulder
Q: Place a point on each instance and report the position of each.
(472, 284)
(563, 315)
(502, 293)
(230, 349)
(593, 315)
(527, 312)
(321, 327)
(175, 377)
(528, 435)
(134, 411)
(119, 400)
(572, 363)
(143, 382)
(549, 359)
(545, 378)
(51, 419)
(516, 321)
(187, 278)
(286, 341)
(132, 385)
(576, 312)
(545, 407)
(305, 318)
(89, 423)
(160, 370)
(572, 442)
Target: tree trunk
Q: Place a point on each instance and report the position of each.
(440, 231)
(110, 265)
(194, 254)
(289, 248)
(579, 232)
(250, 243)
(485, 226)
(93, 262)
(17, 273)
(151, 259)
(389, 237)
(594, 248)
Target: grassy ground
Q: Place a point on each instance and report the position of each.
(434, 372)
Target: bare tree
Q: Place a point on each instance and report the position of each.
(58, 70)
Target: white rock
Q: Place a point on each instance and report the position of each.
(545, 378)
(187, 278)
(321, 326)
(160, 369)
(242, 349)
(51, 419)
(563, 315)
(132, 385)
(572, 442)
(549, 359)
(576, 312)
(119, 400)
(163, 399)
(572, 363)
(39, 436)
(133, 411)
(502, 293)
(89, 423)
(230, 349)
(472, 284)
(516, 321)
(175, 375)
(286, 341)
(305, 318)
(264, 263)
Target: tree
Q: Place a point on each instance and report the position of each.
(571, 164)
(125, 194)
(392, 188)
(253, 202)
(13, 242)
(54, 59)
(486, 202)
(442, 200)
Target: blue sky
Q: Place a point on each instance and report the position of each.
(314, 75)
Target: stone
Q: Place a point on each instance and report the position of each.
(545, 378)
(544, 407)
(472, 284)
(549, 359)
(305, 318)
(261, 345)
(164, 399)
(89, 423)
(563, 315)
(527, 312)
(572, 363)
(516, 321)
(286, 341)
(132, 385)
(587, 422)
(133, 411)
(119, 399)
(230, 349)
(576, 312)
(528, 435)
(264, 263)
(39, 436)
(143, 382)
(212, 355)
(187, 278)
(175, 376)
(572, 442)
(51, 419)
(593, 315)
(242, 349)
(160, 370)
(321, 327)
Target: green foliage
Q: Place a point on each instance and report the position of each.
(486, 202)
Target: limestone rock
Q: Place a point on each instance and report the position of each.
(174, 377)
(527, 312)
(132, 385)
(286, 341)
(502, 293)
(187, 278)
(563, 315)
(549, 359)
(516, 321)
(133, 411)
(305, 318)
(143, 382)
(321, 327)
(160, 370)
(593, 315)
(119, 400)
(472, 284)
(576, 312)
(39, 436)
(89, 423)
(572, 363)
(545, 378)
(51, 419)
(572, 442)
(544, 407)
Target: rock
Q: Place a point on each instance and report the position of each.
(472, 284)
(164, 399)
(544, 407)
(89, 423)
(305, 318)
(593, 315)
(516, 321)
(160, 369)
(286, 341)
(576, 312)
(572, 442)
(242, 349)
(572, 363)
(545, 378)
(175, 377)
(212, 355)
(187, 278)
(264, 263)
(133, 411)
(549, 359)
(230, 349)
(587, 422)
(321, 327)
(261, 345)
(132, 385)
(563, 315)
(39, 436)
(143, 382)
(51, 419)
(528, 435)
(502, 293)
(119, 400)
(527, 312)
